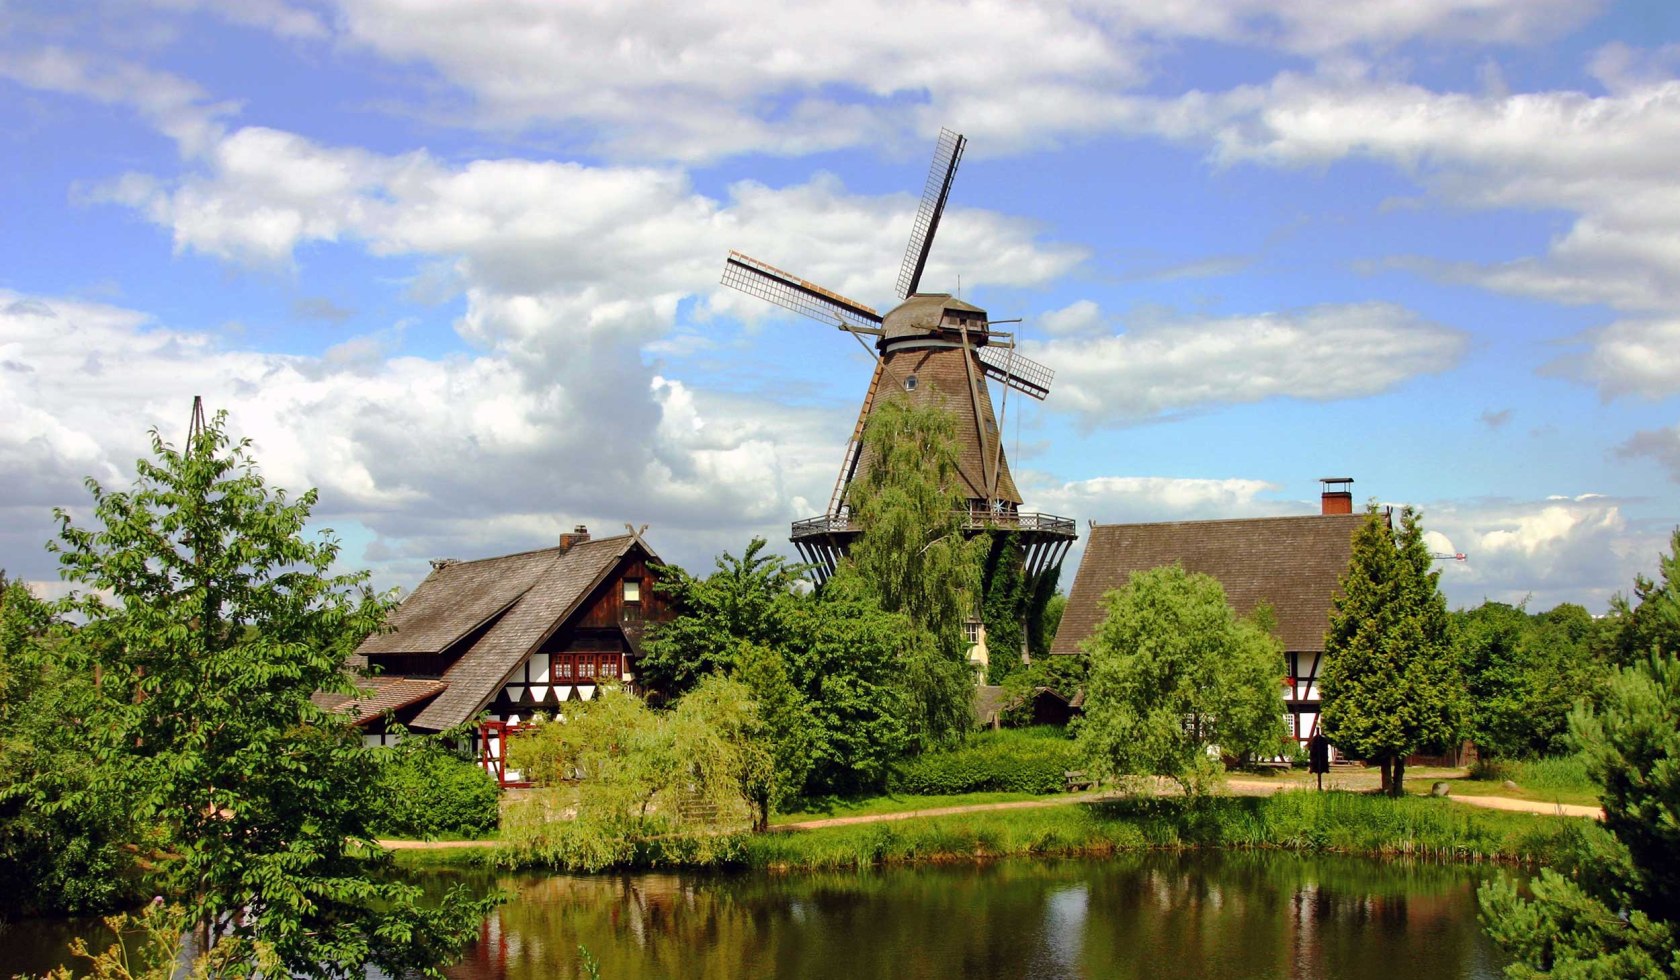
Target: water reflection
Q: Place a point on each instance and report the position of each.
(1152, 915)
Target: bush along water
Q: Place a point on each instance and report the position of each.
(426, 790)
(1009, 761)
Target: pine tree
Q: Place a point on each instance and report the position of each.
(1391, 687)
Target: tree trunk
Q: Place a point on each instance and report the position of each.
(1399, 786)
(1387, 772)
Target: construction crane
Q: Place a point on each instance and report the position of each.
(1444, 556)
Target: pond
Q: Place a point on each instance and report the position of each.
(1205, 915)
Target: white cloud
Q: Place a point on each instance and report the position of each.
(1628, 357)
(1607, 159)
(1138, 499)
(461, 455)
(1579, 548)
(1326, 352)
(178, 108)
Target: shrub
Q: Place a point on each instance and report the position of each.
(1007, 761)
(426, 790)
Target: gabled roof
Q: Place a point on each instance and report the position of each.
(379, 695)
(456, 599)
(563, 581)
(1293, 563)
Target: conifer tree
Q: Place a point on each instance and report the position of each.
(1391, 687)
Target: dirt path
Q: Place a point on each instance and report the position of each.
(1239, 787)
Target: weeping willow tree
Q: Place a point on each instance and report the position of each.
(914, 557)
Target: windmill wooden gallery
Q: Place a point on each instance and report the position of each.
(506, 637)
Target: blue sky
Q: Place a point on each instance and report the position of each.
(456, 264)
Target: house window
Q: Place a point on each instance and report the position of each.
(586, 667)
(971, 631)
(632, 590)
(609, 665)
(562, 668)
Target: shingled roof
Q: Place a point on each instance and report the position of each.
(1291, 562)
(457, 598)
(563, 580)
(379, 695)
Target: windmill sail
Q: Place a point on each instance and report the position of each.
(947, 154)
(790, 292)
(1016, 370)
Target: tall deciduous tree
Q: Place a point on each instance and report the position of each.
(749, 599)
(1523, 674)
(913, 555)
(68, 842)
(1175, 674)
(212, 619)
(1391, 683)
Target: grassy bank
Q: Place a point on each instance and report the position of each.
(1343, 823)
(1562, 779)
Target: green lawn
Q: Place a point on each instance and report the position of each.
(892, 803)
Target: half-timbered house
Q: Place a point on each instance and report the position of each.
(502, 639)
(1292, 564)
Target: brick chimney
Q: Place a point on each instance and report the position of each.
(1338, 495)
(579, 535)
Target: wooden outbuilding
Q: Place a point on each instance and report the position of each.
(508, 637)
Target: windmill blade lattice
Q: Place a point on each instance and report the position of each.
(1016, 370)
(790, 292)
(947, 153)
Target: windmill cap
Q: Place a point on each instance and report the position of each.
(926, 313)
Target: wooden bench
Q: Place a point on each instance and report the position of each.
(1077, 780)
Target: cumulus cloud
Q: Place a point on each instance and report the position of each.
(1628, 357)
(1139, 499)
(1579, 548)
(454, 455)
(1326, 352)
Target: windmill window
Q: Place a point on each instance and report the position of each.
(910, 383)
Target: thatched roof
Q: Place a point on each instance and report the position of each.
(1293, 563)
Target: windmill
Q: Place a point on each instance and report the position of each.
(930, 348)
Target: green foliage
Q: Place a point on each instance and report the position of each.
(1002, 761)
(1006, 597)
(225, 620)
(1175, 674)
(847, 657)
(788, 723)
(68, 842)
(914, 559)
(1613, 909)
(748, 599)
(1391, 685)
(1065, 675)
(1523, 674)
(1566, 774)
(427, 789)
(1044, 615)
(619, 778)
(1651, 621)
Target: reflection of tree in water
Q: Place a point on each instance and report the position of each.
(1217, 915)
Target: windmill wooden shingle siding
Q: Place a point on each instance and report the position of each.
(510, 636)
(931, 348)
(1291, 563)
